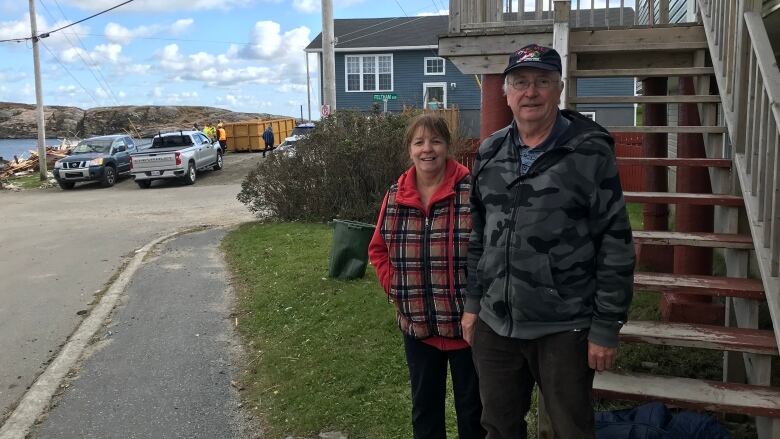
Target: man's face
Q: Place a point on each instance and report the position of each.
(533, 94)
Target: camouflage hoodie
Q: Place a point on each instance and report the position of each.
(551, 250)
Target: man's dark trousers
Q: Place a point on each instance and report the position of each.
(507, 368)
(428, 375)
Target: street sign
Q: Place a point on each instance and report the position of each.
(385, 96)
(325, 111)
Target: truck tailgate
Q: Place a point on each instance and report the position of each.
(154, 161)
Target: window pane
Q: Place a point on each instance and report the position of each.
(384, 82)
(434, 66)
(385, 64)
(369, 64)
(353, 64)
(369, 82)
(353, 82)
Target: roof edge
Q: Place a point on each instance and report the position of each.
(375, 48)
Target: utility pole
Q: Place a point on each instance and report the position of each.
(38, 94)
(308, 84)
(328, 57)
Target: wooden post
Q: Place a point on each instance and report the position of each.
(455, 14)
(561, 40)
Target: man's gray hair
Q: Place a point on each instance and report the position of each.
(505, 87)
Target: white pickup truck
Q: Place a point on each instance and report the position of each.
(179, 154)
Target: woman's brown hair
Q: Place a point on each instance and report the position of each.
(432, 123)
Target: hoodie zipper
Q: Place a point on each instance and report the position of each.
(427, 276)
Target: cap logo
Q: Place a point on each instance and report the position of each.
(529, 54)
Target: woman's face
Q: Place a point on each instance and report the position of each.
(428, 152)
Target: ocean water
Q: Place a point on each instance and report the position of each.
(21, 147)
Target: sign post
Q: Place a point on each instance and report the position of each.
(384, 97)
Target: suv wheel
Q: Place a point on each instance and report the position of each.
(219, 163)
(109, 176)
(189, 177)
(66, 185)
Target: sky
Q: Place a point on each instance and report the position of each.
(241, 55)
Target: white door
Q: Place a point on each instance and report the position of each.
(435, 95)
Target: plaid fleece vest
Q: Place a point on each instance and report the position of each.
(428, 295)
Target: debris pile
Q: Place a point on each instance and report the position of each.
(30, 164)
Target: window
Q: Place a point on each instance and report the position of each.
(589, 114)
(434, 66)
(369, 72)
(435, 95)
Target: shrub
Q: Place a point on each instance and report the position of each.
(341, 170)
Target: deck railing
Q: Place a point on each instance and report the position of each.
(486, 15)
(749, 83)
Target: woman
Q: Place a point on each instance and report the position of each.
(419, 253)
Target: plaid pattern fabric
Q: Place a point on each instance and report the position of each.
(428, 293)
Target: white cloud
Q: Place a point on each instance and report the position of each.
(102, 54)
(101, 93)
(295, 88)
(9, 75)
(306, 5)
(68, 90)
(117, 33)
(160, 5)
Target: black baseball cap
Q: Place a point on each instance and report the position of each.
(534, 56)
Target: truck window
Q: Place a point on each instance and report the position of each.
(175, 140)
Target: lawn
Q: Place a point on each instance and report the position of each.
(31, 181)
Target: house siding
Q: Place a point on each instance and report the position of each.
(408, 78)
(608, 114)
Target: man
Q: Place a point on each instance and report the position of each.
(550, 259)
(268, 138)
(222, 137)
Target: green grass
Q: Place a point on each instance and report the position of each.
(32, 181)
(323, 354)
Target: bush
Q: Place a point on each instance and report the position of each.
(341, 170)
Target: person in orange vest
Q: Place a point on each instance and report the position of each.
(222, 137)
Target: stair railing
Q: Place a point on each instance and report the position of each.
(749, 83)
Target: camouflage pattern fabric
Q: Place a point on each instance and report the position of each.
(551, 251)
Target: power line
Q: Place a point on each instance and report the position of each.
(87, 18)
(69, 73)
(46, 34)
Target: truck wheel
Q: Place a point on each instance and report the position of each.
(189, 177)
(109, 176)
(144, 184)
(66, 185)
(220, 161)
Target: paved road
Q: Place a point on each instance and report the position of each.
(162, 366)
(59, 248)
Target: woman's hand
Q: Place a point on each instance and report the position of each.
(468, 322)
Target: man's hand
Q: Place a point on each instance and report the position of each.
(599, 357)
(468, 322)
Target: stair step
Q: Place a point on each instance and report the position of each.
(682, 46)
(680, 198)
(700, 285)
(754, 341)
(675, 99)
(669, 161)
(642, 73)
(693, 239)
(660, 129)
(690, 393)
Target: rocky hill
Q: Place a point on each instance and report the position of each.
(18, 121)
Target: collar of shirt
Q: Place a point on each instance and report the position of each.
(561, 123)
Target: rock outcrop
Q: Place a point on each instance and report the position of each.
(18, 121)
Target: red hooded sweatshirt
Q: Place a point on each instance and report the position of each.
(408, 196)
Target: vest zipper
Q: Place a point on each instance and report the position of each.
(429, 302)
(507, 253)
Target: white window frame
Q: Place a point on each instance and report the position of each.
(376, 73)
(443, 85)
(592, 114)
(437, 58)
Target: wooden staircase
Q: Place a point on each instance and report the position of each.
(685, 51)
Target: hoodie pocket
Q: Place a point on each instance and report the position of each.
(533, 293)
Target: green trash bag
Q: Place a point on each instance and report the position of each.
(349, 250)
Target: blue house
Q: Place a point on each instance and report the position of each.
(397, 59)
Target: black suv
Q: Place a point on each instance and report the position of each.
(103, 159)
